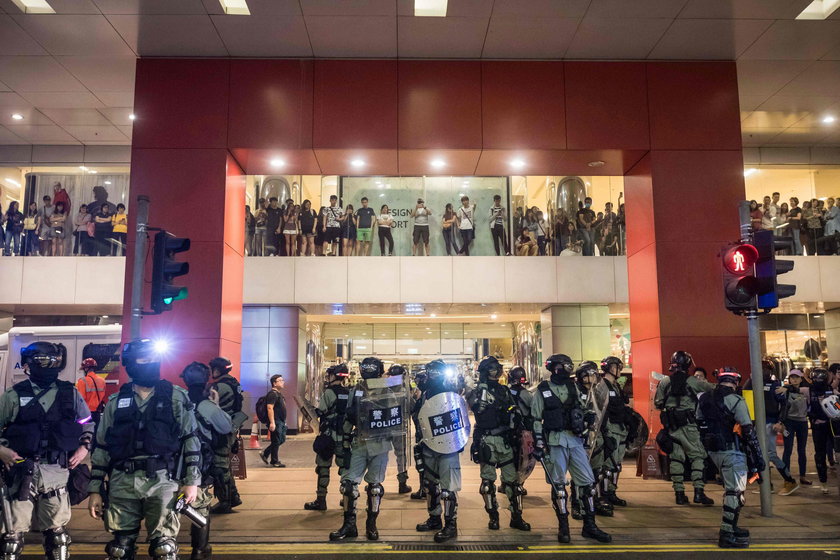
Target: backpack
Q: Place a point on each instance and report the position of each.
(262, 410)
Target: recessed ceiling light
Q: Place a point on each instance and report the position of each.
(748, 172)
(517, 164)
(828, 119)
(107, 182)
(357, 162)
(493, 316)
(438, 163)
(596, 163)
(34, 6)
(132, 116)
(83, 168)
(819, 9)
(235, 7)
(433, 315)
(430, 8)
(94, 171)
(277, 163)
(17, 116)
(104, 316)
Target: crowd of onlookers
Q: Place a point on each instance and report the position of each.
(294, 229)
(98, 228)
(814, 227)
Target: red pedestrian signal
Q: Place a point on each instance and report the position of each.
(740, 259)
(740, 286)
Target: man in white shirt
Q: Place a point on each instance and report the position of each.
(466, 224)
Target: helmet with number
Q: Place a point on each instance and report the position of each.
(517, 376)
(831, 406)
(819, 375)
(680, 361)
(196, 374)
(396, 369)
(141, 361)
(89, 364)
(436, 369)
(489, 370)
(339, 371)
(586, 369)
(610, 361)
(43, 361)
(371, 368)
(728, 374)
(560, 364)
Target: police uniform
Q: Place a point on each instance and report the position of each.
(559, 422)
(523, 397)
(145, 447)
(496, 421)
(374, 414)
(441, 470)
(415, 402)
(331, 412)
(213, 425)
(588, 371)
(720, 411)
(676, 397)
(44, 421)
(399, 441)
(614, 429)
(230, 400)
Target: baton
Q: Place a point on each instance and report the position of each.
(555, 485)
(181, 506)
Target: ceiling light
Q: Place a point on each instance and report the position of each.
(748, 172)
(829, 119)
(94, 171)
(493, 316)
(357, 163)
(83, 168)
(433, 315)
(107, 182)
(596, 163)
(34, 6)
(819, 9)
(17, 116)
(438, 163)
(105, 316)
(517, 164)
(235, 7)
(430, 8)
(277, 163)
(12, 181)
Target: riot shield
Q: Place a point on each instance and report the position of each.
(525, 457)
(596, 402)
(640, 433)
(380, 408)
(445, 423)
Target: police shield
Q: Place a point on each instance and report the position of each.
(596, 401)
(381, 408)
(444, 423)
(638, 431)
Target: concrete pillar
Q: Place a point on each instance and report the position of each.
(832, 335)
(274, 341)
(582, 332)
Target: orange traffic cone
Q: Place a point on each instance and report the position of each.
(254, 443)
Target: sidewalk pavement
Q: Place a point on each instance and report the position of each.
(272, 510)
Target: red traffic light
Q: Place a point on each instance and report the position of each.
(740, 259)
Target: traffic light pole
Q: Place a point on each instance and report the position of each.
(757, 379)
(139, 266)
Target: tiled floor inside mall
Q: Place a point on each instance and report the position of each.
(272, 510)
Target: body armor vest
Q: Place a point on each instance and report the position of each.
(496, 414)
(152, 432)
(35, 432)
(557, 417)
(616, 407)
(719, 421)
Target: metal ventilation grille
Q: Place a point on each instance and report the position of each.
(396, 547)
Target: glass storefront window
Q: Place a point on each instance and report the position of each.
(804, 348)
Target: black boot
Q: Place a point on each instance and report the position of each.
(516, 521)
(432, 492)
(729, 540)
(681, 498)
(700, 497)
(433, 523)
(420, 494)
(402, 478)
(615, 500)
(374, 500)
(222, 492)
(563, 535)
(449, 501)
(491, 506)
(602, 508)
(371, 531)
(493, 524)
(590, 528)
(558, 502)
(348, 529)
(449, 531)
(200, 541)
(318, 504)
(738, 531)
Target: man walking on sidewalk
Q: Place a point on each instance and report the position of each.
(276, 404)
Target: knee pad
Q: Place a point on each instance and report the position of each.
(446, 494)
(122, 547)
(57, 543)
(349, 488)
(738, 495)
(487, 487)
(375, 489)
(12, 545)
(163, 548)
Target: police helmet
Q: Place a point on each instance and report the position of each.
(436, 369)
(517, 376)
(338, 370)
(89, 363)
(819, 375)
(608, 362)
(585, 369)
(560, 362)
(396, 369)
(139, 351)
(728, 374)
(487, 367)
(45, 357)
(371, 368)
(196, 373)
(220, 364)
(680, 361)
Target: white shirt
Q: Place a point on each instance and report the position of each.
(467, 218)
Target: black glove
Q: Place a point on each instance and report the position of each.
(755, 460)
(539, 446)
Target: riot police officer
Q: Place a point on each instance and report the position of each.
(399, 442)
(230, 400)
(594, 397)
(518, 384)
(146, 447)
(214, 426)
(496, 422)
(420, 379)
(560, 421)
(46, 429)
(676, 396)
(445, 429)
(331, 410)
(720, 411)
(375, 414)
(614, 428)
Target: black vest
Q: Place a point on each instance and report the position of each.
(719, 421)
(339, 407)
(616, 407)
(231, 382)
(497, 414)
(36, 433)
(557, 416)
(153, 432)
(817, 393)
